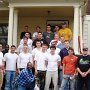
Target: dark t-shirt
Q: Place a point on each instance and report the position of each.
(48, 36)
(43, 41)
(83, 63)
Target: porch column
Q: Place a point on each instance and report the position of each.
(76, 28)
(15, 27)
(10, 26)
(81, 38)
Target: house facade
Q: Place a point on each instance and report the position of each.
(18, 13)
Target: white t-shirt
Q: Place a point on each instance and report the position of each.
(40, 57)
(11, 60)
(23, 59)
(29, 42)
(1, 58)
(35, 51)
(56, 51)
(52, 62)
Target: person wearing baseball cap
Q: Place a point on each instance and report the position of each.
(83, 68)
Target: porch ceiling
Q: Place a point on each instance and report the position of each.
(46, 11)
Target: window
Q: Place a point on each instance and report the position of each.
(3, 34)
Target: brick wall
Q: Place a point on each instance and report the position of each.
(88, 7)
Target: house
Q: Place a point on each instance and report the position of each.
(18, 13)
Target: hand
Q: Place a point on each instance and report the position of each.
(73, 77)
(83, 74)
(36, 72)
(18, 71)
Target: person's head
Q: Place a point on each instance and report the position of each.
(56, 28)
(27, 34)
(26, 28)
(70, 51)
(25, 40)
(25, 49)
(85, 51)
(38, 43)
(48, 27)
(67, 44)
(56, 37)
(52, 49)
(39, 35)
(54, 43)
(38, 29)
(0, 47)
(44, 47)
(7, 47)
(13, 48)
(29, 65)
(64, 25)
(62, 39)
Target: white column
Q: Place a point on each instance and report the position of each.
(76, 28)
(81, 38)
(15, 27)
(10, 26)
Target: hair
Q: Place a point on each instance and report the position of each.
(66, 40)
(38, 27)
(7, 45)
(54, 47)
(64, 23)
(29, 63)
(38, 41)
(70, 48)
(43, 44)
(25, 37)
(13, 46)
(40, 32)
(26, 32)
(57, 25)
(48, 25)
(26, 26)
(0, 43)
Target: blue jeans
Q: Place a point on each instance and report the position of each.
(65, 81)
(10, 75)
(21, 88)
(61, 77)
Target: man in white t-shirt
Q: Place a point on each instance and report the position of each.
(20, 47)
(11, 66)
(40, 66)
(23, 58)
(29, 42)
(37, 49)
(52, 61)
(1, 66)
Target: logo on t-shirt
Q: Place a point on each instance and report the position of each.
(83, 61)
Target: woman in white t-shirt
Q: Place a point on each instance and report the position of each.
(24, 58)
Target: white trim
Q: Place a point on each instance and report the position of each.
(10, 26)
(15, 26)
(41, 4)
(76, 28)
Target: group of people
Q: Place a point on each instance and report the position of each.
(48, 57)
